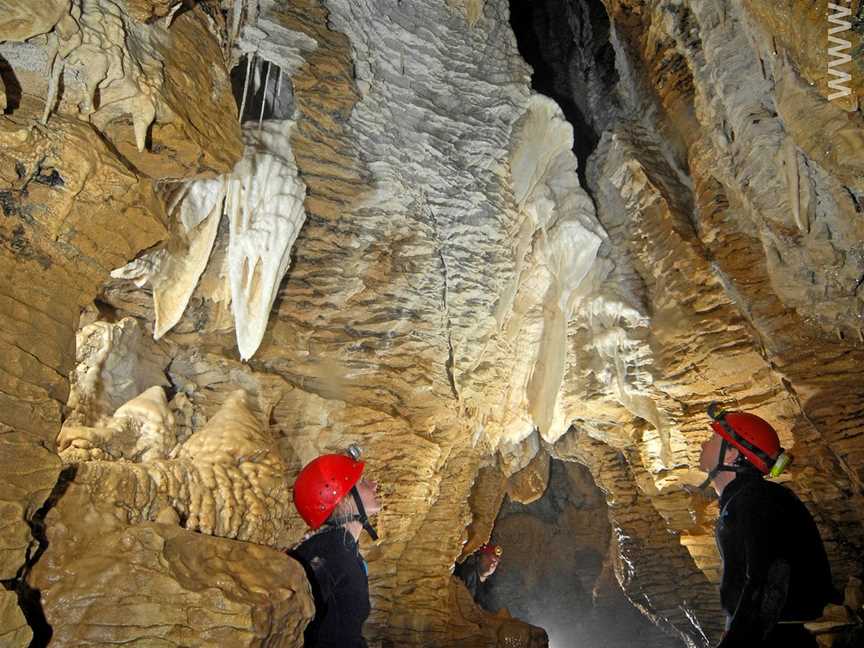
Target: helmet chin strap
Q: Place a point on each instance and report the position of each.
(361, 516)
(720, 467)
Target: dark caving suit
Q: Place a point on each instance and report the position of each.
(775, 570)
(337, 573)
(469, 572)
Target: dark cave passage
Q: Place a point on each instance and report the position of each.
(557, 572)
(567, 45)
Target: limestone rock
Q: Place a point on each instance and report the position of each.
(56, 239)
(455, 301)
(21, 22)
(173, 270)
(487, 493)
(529, 484)
(264, 202)
(554, 569)
(115, 363)
(227, 479)
(640, 570)
(147, 10)
(473, 9)
(262, 198)
(805, 31)
(165, 585)
(150, 100)
(14, 631)
(140, 430)
(472, 626)
(27, 475)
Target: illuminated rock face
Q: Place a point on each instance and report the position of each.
(409, 261)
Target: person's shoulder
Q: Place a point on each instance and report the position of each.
(780, 492)
(315, 544)
(766, 498)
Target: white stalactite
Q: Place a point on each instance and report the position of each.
(263, 197)
(265, 206)
(174, 270)
(564, 236)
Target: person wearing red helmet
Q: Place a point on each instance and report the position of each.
(336, 501)
(479, 566)
(775, 571)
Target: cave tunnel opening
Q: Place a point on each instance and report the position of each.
(567, 44)
(556, 570)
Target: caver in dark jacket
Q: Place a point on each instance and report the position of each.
(469, 572)
(337, 574)
(775, 571)
(331, 496)
(477, 567)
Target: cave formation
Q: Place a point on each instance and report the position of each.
(512, 249)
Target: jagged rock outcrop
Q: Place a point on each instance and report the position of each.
(72, 208)
(227, 479)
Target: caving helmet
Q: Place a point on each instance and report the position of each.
(324, 481)
(492, 549)
(752, 436)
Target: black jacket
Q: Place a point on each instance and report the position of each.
(774, 564)
(469, 571)
(337, 573)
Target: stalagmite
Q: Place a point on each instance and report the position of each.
(226, 479)
(140, 430)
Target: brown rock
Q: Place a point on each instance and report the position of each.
(801, 30)
(162, 584)
(28, 472)
(430, 313)
(147, 10)
(196, 132)
(21, 21)
(487, 493)
(529, 484)
(14, 631)
(70, 212)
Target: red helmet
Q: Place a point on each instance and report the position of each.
(752, 435)
(322, 483)
(491, 549)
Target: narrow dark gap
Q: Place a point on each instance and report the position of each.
(30, 598)
(566, 42)
(268, 92)
(107, 312)
(12, 87)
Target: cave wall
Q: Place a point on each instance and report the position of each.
(403, 250)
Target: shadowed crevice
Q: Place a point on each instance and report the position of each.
(30, 598)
